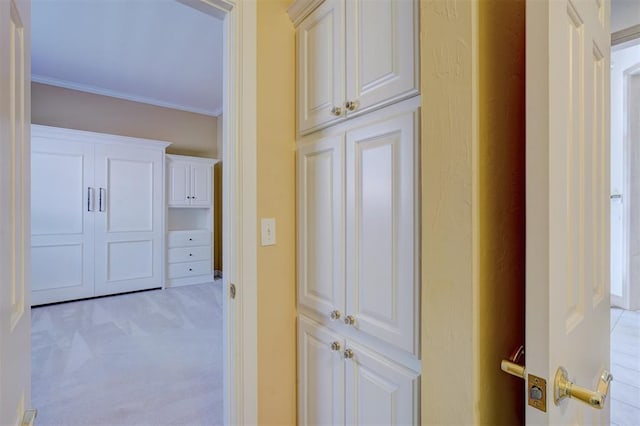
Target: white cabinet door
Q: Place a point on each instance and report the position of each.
(321, 225)
(382, 247)
(179, 192)
(379, 391)
(320, 375)
(321, 67)
(382, 51)
(129, 225)
(63, 205)
(201, 193)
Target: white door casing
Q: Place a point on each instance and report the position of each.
(567, 199)
(15, 116)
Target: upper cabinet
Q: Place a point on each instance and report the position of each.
(189, 181)
(353, 57)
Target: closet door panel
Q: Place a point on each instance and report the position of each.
(179, 183)
(382, 244)
(129, 228)
(61, 225)
(321, 226)
(381, 51)
(201, 185)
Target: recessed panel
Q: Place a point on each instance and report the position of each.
(376, 200)
(373, 388)
(58, 193)
(129, 196)
(58, 266)
(318, 62)
(377, 33)
(128, 260)
(319, 226)
(319, 380)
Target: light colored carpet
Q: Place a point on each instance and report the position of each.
(148, 358)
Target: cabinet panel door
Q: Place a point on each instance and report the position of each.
(179, 183)
(321, 67)
(379, 391)
(320, 375)
(129, 225)
(321, 225)
(382, 51)
(61, 225)
(201, 185)
(382, 228)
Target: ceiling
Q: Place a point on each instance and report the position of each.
(159, 52)
(624, 14)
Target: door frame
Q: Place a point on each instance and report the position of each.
(239, 205)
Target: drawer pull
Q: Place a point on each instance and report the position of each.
(190, 269)
(190, 239)
(190, 254)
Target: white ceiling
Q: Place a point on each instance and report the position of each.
(159, 52)
(624, 14)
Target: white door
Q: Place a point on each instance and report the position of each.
(63, 208)
(567, 199)
(179, 183)
(382, 51)
(381, 244)
(320, 375)
(320, 41)
(128, 223)
(15, 116)
(201, 185)
(321, 283)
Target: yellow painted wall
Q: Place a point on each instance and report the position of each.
(276, 198)
(189, 133)
(472, 56)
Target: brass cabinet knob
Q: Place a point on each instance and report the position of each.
(348, 354)
(351, 105)
(349, 320)
(335, 346)
(335, 315)
(337, 111)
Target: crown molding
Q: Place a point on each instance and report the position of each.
(300, 9)
(626, 35)
(121, 95)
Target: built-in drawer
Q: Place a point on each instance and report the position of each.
(187, 269)
(189, 254)
(189, 238)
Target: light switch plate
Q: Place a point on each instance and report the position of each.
(268, 231)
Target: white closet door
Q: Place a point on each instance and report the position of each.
(179, 183)
(129, 227)
(320, 375)
(61, 223)
(379, 391)
(201, 185)
(382, 248)
(321, 225)
(382, 51)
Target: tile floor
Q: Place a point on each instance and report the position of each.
(147, 358)
(625, 367)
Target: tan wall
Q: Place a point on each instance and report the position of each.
(276, 198)
(189, 133)
(472, 56)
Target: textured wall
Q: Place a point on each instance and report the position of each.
(276, 198)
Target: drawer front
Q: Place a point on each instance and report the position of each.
(189, 254)
(189, 238)
(188, 269)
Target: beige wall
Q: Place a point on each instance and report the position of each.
(189, 133)
(276, 198)
(472, 56)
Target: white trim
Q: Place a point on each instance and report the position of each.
(631, 34)
(300, 9)
(38, 130)
(121, 95)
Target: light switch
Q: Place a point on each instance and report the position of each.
(268, 231)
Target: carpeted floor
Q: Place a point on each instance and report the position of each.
(148, 358)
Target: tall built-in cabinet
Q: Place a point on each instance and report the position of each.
(190, 220)
(358, 211)
(97, 214)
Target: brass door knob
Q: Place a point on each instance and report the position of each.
(335, 315)
(349, 320)
(564, 388)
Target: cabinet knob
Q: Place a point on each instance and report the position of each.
(349, 320)
(190, 239)
(188, 197)
(193, 198)
(334, 315)
(337, 111)
(190, 254)
(351, 105)
(348, 354)
(190, 269)
(335, 346)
